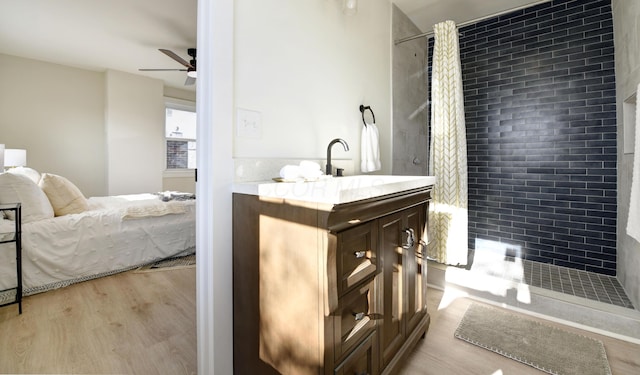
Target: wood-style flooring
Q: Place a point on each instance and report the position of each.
(441, 353)
(129, 323)
(145, 323)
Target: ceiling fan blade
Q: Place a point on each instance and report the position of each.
(162, 70)
(177, 58)
(190, 81)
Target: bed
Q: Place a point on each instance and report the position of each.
(82, 239)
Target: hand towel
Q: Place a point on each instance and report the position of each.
(307, 170)
(369, 149)
(310, 170)
(633, 222)
(290, 172)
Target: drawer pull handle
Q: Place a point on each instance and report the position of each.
(411, 239)
(360, 254)
(359, 316)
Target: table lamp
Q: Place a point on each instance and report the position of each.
(14, 158)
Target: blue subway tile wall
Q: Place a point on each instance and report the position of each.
(539, 88)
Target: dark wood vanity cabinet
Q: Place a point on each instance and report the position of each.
(328, 289)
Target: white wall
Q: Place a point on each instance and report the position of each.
(59, 114)
(135, 133)
(307, 67)
(56, 113)
(172, 92)
(626, 21)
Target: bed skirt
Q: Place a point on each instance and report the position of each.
(65, 283)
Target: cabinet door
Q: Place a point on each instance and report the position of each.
(415, 279)
(390, 248)
(403, 277)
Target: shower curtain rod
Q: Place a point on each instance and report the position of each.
(471, 22)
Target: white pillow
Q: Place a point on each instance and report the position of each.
(64, 196)
(25, 171)
(15, 188)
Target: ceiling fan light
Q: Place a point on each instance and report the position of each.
(192, 74)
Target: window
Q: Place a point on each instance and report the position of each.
(180, 135)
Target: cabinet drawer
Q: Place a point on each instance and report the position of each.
(357, 256)
(363, 360)
(353, 320)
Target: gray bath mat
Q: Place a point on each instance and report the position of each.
(544, 347)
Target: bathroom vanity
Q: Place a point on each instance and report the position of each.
(329, 276)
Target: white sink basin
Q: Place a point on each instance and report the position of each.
(336, 190)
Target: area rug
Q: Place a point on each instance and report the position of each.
(187, 261)
(549, 349)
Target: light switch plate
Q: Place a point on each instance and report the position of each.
(248, 124)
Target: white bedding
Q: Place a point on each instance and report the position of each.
(106, 239)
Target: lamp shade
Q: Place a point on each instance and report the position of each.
(15, 158)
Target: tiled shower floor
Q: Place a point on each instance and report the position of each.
(589, 285)
(581, 299)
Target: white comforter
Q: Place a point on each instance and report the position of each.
(117, 233)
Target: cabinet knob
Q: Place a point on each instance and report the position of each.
(360, 254)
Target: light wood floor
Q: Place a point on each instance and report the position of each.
(145, 323)
(130, 323)
(441, 353)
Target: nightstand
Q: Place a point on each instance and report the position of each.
(14, 237)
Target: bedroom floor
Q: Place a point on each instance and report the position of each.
(129, 323)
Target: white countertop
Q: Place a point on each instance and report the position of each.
(335, 190)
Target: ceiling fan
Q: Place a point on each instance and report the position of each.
(190, 66)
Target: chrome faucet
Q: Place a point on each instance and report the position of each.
(329, 170)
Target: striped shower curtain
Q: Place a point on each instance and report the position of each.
(448, 215)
